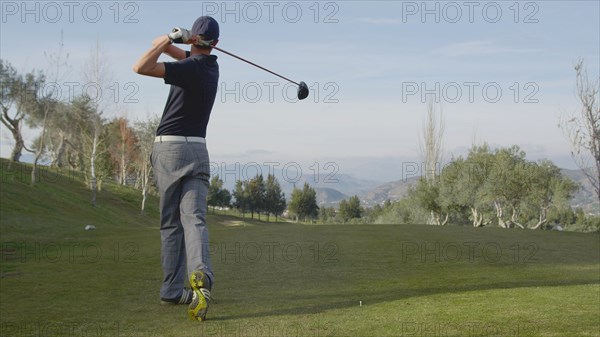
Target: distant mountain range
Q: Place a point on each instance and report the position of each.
(331, 187)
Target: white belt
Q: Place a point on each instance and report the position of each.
(160, 139)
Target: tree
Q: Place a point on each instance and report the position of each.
(431, 144)
(371, 214)
(583, 127)
(551, 190)
(122, 147)
(275, 202)
(217, 195)
(431, 149)
(462, 184)
(91, 142)
(144, 134)
(256, 194)
(327, 214)
(241, 198)
(98, 74)
(479, 164)
(509, 182)
(561, 216)
(19, 96)
(295, 206)
(428, 196)
(57, 124)
(59, 136)
(224, 198)
(62, 137)
(96, 123)
(48, 105)
(53, 139)
(213, 192)
(303, 203)
(351, 209)
(404, 211)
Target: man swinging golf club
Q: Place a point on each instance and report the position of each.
(181, 163)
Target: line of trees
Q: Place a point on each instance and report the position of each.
(498, 187)
(74, 132)
(349, 211)
(257, 196)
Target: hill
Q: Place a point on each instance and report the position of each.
(329, 197)
(585, 197)
(394, 190)
(280, 279)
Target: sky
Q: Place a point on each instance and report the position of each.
(500, 71)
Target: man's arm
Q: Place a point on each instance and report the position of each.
(147, 64)
(176, 53)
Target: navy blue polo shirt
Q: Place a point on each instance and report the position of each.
(194, 82)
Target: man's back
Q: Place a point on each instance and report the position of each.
(194, 83)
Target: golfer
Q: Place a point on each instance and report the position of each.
(181, 164)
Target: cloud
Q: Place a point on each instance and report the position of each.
(484, 47)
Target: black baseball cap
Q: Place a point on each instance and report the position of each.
(206, 26)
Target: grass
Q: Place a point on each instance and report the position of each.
(282, 279)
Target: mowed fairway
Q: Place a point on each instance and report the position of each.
(282, 279)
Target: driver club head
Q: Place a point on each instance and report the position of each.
(302, 91)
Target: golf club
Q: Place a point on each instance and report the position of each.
(181, 35)
(302, 87)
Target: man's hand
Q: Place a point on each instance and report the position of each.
(181, 35)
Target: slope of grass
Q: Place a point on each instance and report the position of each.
(282, 279)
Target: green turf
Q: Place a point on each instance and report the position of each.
(282, 279)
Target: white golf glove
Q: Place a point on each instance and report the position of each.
(180, 35)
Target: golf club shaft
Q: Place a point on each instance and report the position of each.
(254, 64)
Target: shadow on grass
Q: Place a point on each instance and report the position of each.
(387, 295)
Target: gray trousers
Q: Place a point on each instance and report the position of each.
(181, 171)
